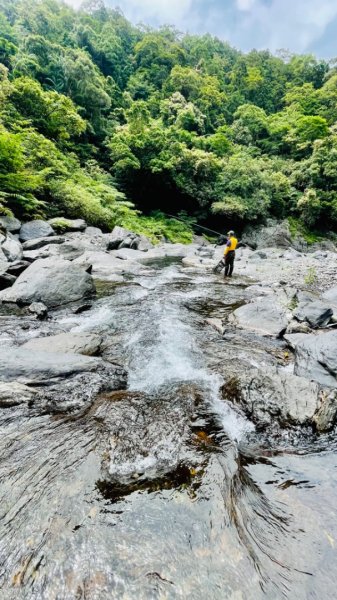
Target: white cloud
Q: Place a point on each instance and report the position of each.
(273, 24)
(152, 11)
(293, 24)
(245, 5)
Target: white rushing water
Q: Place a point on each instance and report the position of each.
(164, 351)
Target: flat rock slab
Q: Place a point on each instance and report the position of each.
(73, 343)
(316, 358)
(22, 363)
(35, 229)
(107, 267)
(40, 242)
(52, 281)
(268, 396)
(265, 316)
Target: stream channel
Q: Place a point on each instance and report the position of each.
(165, 490)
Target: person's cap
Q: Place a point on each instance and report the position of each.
(230, 233)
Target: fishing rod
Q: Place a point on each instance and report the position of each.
(195, 225)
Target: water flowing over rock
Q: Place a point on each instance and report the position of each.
(35, 229)
(130, 474)
(52, 281)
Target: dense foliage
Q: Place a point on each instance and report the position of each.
(99, 118)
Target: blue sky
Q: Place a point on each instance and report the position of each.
(297, 25)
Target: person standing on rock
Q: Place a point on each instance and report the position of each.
(229, 253)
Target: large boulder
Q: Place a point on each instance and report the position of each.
(121, 238)
(61, 225)
(35, 229)
(74, 343)
(10, 224)
(264, 315)
(53, 281)
(107, 267)
(316, 358)
(268, 396)
(272, 235)
(315, 312)
(11, 248)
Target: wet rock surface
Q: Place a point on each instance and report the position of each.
(192, 455)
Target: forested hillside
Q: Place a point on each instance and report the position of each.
(99, 117)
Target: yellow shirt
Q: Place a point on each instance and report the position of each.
(231, 245)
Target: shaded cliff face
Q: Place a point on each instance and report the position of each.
(165, 489)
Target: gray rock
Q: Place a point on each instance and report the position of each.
(261, 254)
(15, 393)
(40, 242)
(35, 229)
(52, 281)
(39, 309)
(68, 251)
(316, 313)
(11, 248)
(296, 327)
(6, 280)
(325, 417)
(316, 358)
(74, 343)
(17, 267)
(216, 324)
(120, 238)
(67, 382)
(264, 315)
(62, 225)
(107, 267)
(143, 243)
(21, 364)
(331, 296)
(273, 234)
(93, 232)
(10, 224)
(293, 339)
(267, 396)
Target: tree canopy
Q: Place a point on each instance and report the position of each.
(102, 119)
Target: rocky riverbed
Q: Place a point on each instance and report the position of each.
(165, 433)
